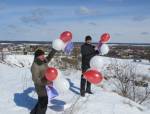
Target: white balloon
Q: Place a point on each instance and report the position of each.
(59, 76)
(61, 85)
(58, 44)
(97, 62)
(104, 49)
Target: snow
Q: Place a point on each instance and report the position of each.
(18, 95)
(142, 68)
(20, 60)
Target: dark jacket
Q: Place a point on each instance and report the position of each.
(87, 52)
(38, 69)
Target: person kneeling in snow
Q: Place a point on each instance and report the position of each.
(38, 68)
(87, 51)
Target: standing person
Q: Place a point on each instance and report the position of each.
(39, 66)
(87, 52)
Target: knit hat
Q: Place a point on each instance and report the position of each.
(88, 38)
(38, 52)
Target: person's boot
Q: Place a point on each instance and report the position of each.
(82, 94)
(89, 92)
(32, 112)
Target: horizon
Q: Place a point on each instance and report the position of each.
(25, 41)
(36, 20)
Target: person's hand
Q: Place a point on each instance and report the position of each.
(54, 50)
(96, 48)
(50, 83)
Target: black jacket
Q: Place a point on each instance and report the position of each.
(87, 52)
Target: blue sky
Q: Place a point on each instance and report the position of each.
(44, 20)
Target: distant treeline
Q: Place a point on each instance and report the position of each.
(49, 42)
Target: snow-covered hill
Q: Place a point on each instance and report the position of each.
(18, 96)
(20, 60)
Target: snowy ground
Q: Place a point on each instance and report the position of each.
(18, 96)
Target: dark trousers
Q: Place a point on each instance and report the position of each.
(85, 85)
(41, 106)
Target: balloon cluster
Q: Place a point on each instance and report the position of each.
(52, 74)
(102, 46)
(94, 75)
(64, 42)
(61, 84)
(58, 83)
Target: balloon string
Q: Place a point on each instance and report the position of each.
(99, 45)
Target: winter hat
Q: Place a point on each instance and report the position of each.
(88, 38)
(38, 52)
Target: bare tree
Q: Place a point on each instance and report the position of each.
(127, 82)
(2, 55)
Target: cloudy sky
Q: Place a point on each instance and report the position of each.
(44, 20)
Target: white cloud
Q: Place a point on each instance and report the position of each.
(83, 10)
(145, 33)
(93, 23)
(41, 12)
(2, 6)
(140, 18)
(37, 16)
(118, 34)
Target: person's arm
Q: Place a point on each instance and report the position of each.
(85, 52)
(51, 54)
(96, 52)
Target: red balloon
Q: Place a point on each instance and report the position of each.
(66, 36)
(93, 76)
(51, 73)
(105, 37)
